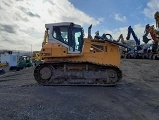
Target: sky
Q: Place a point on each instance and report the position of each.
(22, 22)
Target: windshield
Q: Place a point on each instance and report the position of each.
(61, 33)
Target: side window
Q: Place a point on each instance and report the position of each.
(61, 34)
(77, 39)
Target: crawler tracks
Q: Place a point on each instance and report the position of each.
(77, 73)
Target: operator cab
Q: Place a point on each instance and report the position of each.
(24, 58)
(67, 34)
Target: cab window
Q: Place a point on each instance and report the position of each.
(77, 39)
(61, 34)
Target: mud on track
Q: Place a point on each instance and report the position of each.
(135, 98)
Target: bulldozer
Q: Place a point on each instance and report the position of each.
(71, 59)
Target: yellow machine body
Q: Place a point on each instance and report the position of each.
(94, 51)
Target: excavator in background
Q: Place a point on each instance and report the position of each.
(120, 38)
(71, 59)
(147, 31)
(131, 31)
(153, 49)
(123, 50)
(136, 49)
(156, 16)
(139, 50)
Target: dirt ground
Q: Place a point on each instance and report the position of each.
(135, 98)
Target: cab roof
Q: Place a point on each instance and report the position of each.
(62, 24)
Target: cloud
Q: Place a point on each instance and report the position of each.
(25, 25)
(19, 17)
(5, 3)
(100, 19)
(8, 28)
(120, 18)
(51, 2)
(151, 8)
(29, 12)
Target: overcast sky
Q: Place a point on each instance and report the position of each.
(22, 22)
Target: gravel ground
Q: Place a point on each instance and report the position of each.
(135, 98)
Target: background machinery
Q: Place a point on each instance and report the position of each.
(131, 31)
(153, 49)
(123, 50)
(36, 58)
(71, 59)
(156, 16)
(120, 38)
(4, 64)
(23, 62)
(135, 49)
(139, 50)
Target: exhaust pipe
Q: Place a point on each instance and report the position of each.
(89, 31)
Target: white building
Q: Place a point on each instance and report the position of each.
(11, 59)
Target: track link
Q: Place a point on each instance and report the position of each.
(77, 73)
